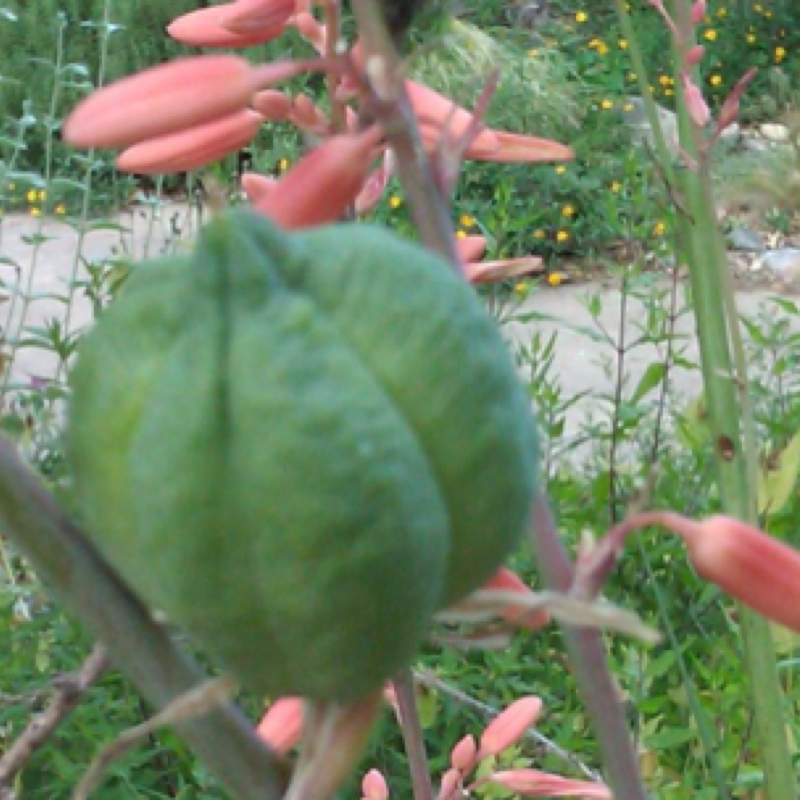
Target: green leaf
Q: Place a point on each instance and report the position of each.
(778, 477)
(669, 738)
(653, 377)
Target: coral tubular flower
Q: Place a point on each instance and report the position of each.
(506, 580)
(487, 271)
(192, 148)
(746, 563)
(374, 787)
(247, 16)
(437, 115)
(535, 783)
(282, 725)
(470, 248)
(273, 105)
(464, 755)
(162, 100)
(207, 27)
(323, 183)
(695, 103)
(257, 187)
(373, 187)
(509, 725)
(518, 148)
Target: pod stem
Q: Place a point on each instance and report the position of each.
(413, 740)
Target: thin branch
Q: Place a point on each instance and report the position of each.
(588, 657)
(67, 692)
(412, 735)
(65, 559)
(194, 703)
(430, 211)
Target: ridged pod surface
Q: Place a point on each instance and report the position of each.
(299, 446)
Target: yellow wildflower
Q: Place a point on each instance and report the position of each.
(659, 228)
(606, 103)
(35, 212)
(715, 80)
(395, 201)
(61, 209)
(615, 186)
(560, 169)
(562, 235)
(581, 16)
(31, 196)
(710, 34)
(538, 234)
(554, 279)
(567, 210)
(622, 44)
(460, 234)
(466, 221)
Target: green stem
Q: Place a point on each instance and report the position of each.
(66, 560)
(730, 418)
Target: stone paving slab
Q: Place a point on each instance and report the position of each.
(579, 359)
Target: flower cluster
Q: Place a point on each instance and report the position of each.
(281, 726)
(187, 113)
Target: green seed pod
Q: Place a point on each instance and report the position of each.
(299, 446)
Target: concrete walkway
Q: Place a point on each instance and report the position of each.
(584, 359)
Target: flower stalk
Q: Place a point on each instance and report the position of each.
(700, 245)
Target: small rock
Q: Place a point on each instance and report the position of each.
(784, 263)
(635, 118)
(732, 134)
(774, 132)
(756, 144)
(747, 240)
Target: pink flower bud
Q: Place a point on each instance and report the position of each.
(469, 249)
(206, 27)
(437, 116)
(282, 725)
(692, 56)
(307, 116)
(695, 104)
(463, 756)
(450, 785)
(697, 12)
(192, 148)
(730, 107)
(504, 579)
(251, 16)
(162, 100)
(750, 565)
(323, 183)
(272, 105)
(518, 148)
(373, 187)
(509, 725)
(374, 787)
(533, 783)
(487, 271)
(257, 187)
(311, 30)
